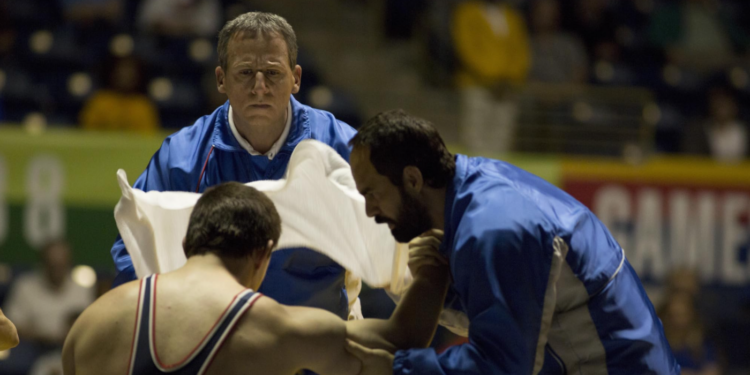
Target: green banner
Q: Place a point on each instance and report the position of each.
(62, 183)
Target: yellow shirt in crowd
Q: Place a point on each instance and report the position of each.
(110, 110)
(492, 44)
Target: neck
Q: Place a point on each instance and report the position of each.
(261, 138)
(436, 205)
(55, 285)
(218, 268)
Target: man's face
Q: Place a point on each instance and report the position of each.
(405, 214)
(258, 79)
(56, 260)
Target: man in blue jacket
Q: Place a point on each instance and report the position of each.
(250, 138)
(544, 284)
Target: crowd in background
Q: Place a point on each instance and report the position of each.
(145, 65)
(692, 54)
(136, 65)
(148, 64)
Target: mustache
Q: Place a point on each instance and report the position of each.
(383, 220)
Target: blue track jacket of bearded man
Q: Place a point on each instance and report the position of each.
(295, 276)
(545, 286)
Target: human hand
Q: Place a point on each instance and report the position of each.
(374, 361)
(424, 251)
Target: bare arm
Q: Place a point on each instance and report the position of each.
(8, 333)
(316, 340)
(413, 323)
(69, 367)
(68, 351)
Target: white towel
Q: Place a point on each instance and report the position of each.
(320, 209)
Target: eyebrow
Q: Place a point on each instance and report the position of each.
(265, 64)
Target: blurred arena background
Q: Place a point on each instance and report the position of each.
(638, 108)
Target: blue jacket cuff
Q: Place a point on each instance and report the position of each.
(401, 363)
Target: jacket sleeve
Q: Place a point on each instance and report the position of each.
(155, 177)
(502, 277)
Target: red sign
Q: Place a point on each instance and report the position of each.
(662, 226)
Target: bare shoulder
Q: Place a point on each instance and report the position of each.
(293, 337)
(114, 303)
(104, 329)
(258, 342)
(291, 321)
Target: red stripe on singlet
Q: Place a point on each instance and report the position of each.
(135, 326)
(153, 327)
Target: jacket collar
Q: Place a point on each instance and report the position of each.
(224, 139)
(451, 194)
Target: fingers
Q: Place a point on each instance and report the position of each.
(418, 263)
(357, 350)
(427, 252)
(434, 233)
(425, 241)
(437, 233)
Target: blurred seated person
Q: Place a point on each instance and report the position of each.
(595, 22)
(180, 18)
(723, 136)
(122, 105)
(41, 302)
(698, 34)
(695, 354)
(557, 57)
(88, 12)
(492, 46)
(51, 363)
(8, 333)
(683, 280)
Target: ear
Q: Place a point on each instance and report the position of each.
(297, 73)
(220, 79)
(412, 177)
(265, 254)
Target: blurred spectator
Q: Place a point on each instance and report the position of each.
(40, 303)
(556, 56)
(595, 23)
(180, 18)
(7, 31)
(400, 17)
(697, 34)
(51, 362)
(440, 62)
(122, 105)
(683, 280)
(695, 354)
(8, 333)
(493, 49)
(722, 136)
(88, 12)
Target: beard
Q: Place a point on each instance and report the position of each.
(413, 219)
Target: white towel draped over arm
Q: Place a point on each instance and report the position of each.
(320, 209)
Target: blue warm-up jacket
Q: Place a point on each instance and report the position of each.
(545, 286)
(207, 154)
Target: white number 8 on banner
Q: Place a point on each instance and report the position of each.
(44, 216)
(4, 224)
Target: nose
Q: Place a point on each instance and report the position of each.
(371, 209)
(259, 85)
